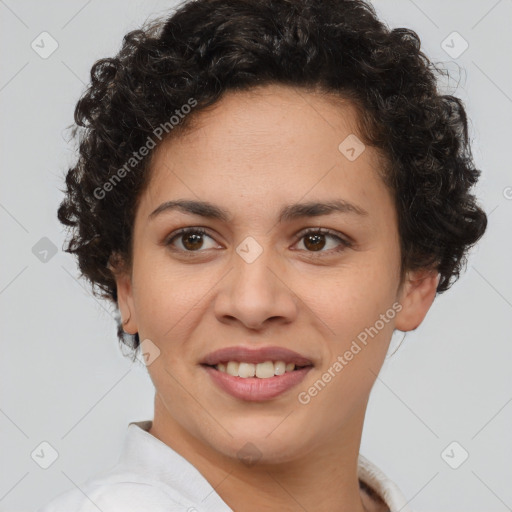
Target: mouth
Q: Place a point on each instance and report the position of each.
(253, 388)
(251, 374)
(264, 370)
(246, 356)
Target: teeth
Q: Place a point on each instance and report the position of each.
(280, 367)
(264, 370)
(261, 370)
(246, 370)
(232, 368)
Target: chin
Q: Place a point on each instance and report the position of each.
(255, 445)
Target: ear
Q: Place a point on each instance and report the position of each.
(416, 296)
(125, 297)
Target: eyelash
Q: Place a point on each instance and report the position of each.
(344, 244)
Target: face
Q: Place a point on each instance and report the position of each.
(264, 271)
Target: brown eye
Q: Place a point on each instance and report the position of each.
(316, 240)
(191, 240)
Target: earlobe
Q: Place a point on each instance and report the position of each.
(126, 304)
(122, 275)
(416, 297)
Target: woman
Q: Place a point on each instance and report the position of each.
(266, 190)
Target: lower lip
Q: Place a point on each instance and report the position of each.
(254, 389)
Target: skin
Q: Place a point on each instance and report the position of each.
(251, 154)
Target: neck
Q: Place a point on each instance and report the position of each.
(324, 479)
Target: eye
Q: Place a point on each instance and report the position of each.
(191, 240)
(316, 240)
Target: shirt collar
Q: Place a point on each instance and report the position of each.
(145, 454)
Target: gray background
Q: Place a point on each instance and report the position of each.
(64, 379)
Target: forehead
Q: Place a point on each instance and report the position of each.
(273, 143)
(269, 117)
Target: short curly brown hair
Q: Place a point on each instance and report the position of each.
(208, 47)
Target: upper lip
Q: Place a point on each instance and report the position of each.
(255, 356)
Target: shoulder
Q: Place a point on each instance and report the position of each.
(123, 496)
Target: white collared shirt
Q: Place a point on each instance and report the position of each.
(151, 476)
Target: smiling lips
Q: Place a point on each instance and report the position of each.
(256, 374)
(261, 370)
(251, 355)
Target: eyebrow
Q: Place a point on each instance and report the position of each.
(287, 213)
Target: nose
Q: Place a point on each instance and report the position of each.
(255, 294)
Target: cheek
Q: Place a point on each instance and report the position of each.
(352, 298)
(166, 297)
(359, 313)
